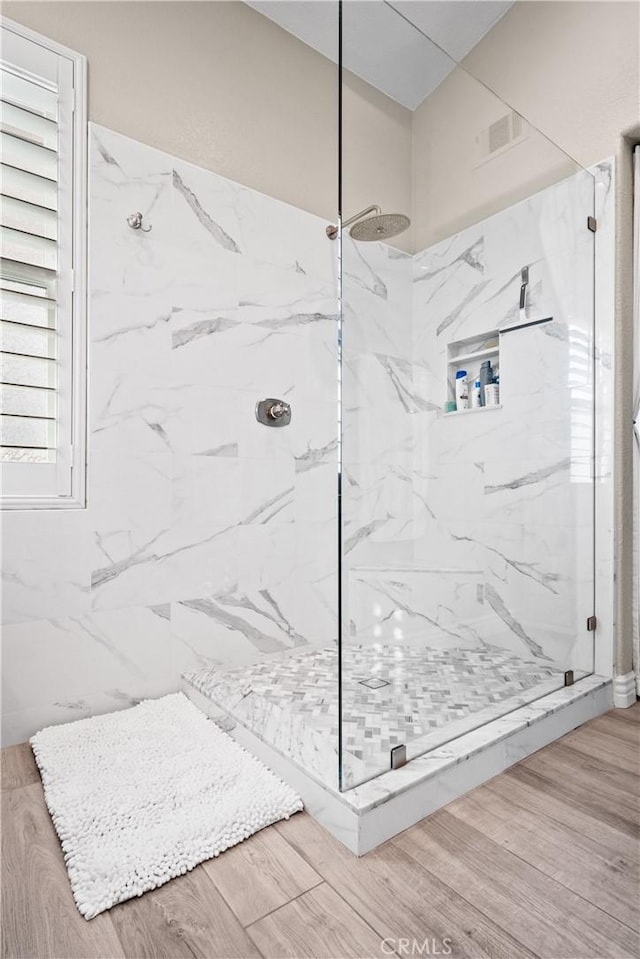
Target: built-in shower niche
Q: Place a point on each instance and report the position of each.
(469, 354)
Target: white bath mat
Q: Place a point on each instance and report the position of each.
(140, 796)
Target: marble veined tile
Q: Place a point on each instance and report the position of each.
(200, 285)
(130, 334)
(392, 694)
(232, 628)
(126, 178)
(266, 555)
(377, 300)
(127, 159)
(219, 214)
(204, 214)
(524, 491)
(237, 627)
(317, 360)
(278, 287)
(464, 533)
(316, 544)
(74, 666)
(42, 577)
(520, 730)
(267, 491)
(413, 606)
(207, 490)
(129, 486)
(464, 440)
(217, 349)
(161, 564)
(208, 421)
(283, 235)
(364, 267)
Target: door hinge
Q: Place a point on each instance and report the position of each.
(592, 622)
(568, 678)
(398, 756)
(592, 224)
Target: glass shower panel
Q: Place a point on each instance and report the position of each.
(467, 524)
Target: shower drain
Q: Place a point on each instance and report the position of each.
(374, 682)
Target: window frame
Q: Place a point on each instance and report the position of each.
(68, 485)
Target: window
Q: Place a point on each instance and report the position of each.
(42, 272)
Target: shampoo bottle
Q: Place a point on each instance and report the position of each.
(486, 375)
(492, 392)
(462, 390)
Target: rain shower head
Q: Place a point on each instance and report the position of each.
(373, 224)
(380, 227)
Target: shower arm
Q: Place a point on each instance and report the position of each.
(332, 231)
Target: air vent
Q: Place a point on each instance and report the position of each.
(499, 136)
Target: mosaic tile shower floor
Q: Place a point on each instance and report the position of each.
(392, 694)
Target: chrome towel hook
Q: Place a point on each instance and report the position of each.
(135, 222)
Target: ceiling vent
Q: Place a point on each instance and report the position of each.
(506, 132)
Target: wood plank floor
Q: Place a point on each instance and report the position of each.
(543, 860)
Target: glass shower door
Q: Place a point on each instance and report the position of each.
(467, 403)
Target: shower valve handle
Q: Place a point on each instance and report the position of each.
(272, 412)
(279, 409)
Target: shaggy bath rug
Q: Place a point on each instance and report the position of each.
(140, 796)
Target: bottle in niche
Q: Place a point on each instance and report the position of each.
(492, 392)
(476, 395)
(486, 376)
(462, 390)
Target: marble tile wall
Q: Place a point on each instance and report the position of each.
(207, 537)
(378, 404)
(378, 400)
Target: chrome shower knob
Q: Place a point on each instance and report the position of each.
(279, 409)
(272, 412)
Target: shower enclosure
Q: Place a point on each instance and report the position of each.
(466, 534)
(457, 567)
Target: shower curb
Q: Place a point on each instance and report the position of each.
(367, 815)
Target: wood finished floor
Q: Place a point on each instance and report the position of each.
(542, 861)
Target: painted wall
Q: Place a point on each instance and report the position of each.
(572, 69)
(207, 537)
(220, 85)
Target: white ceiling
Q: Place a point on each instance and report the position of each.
(405, 48)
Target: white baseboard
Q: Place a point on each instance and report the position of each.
(624, 691)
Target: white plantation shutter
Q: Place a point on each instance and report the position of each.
(42, 312)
